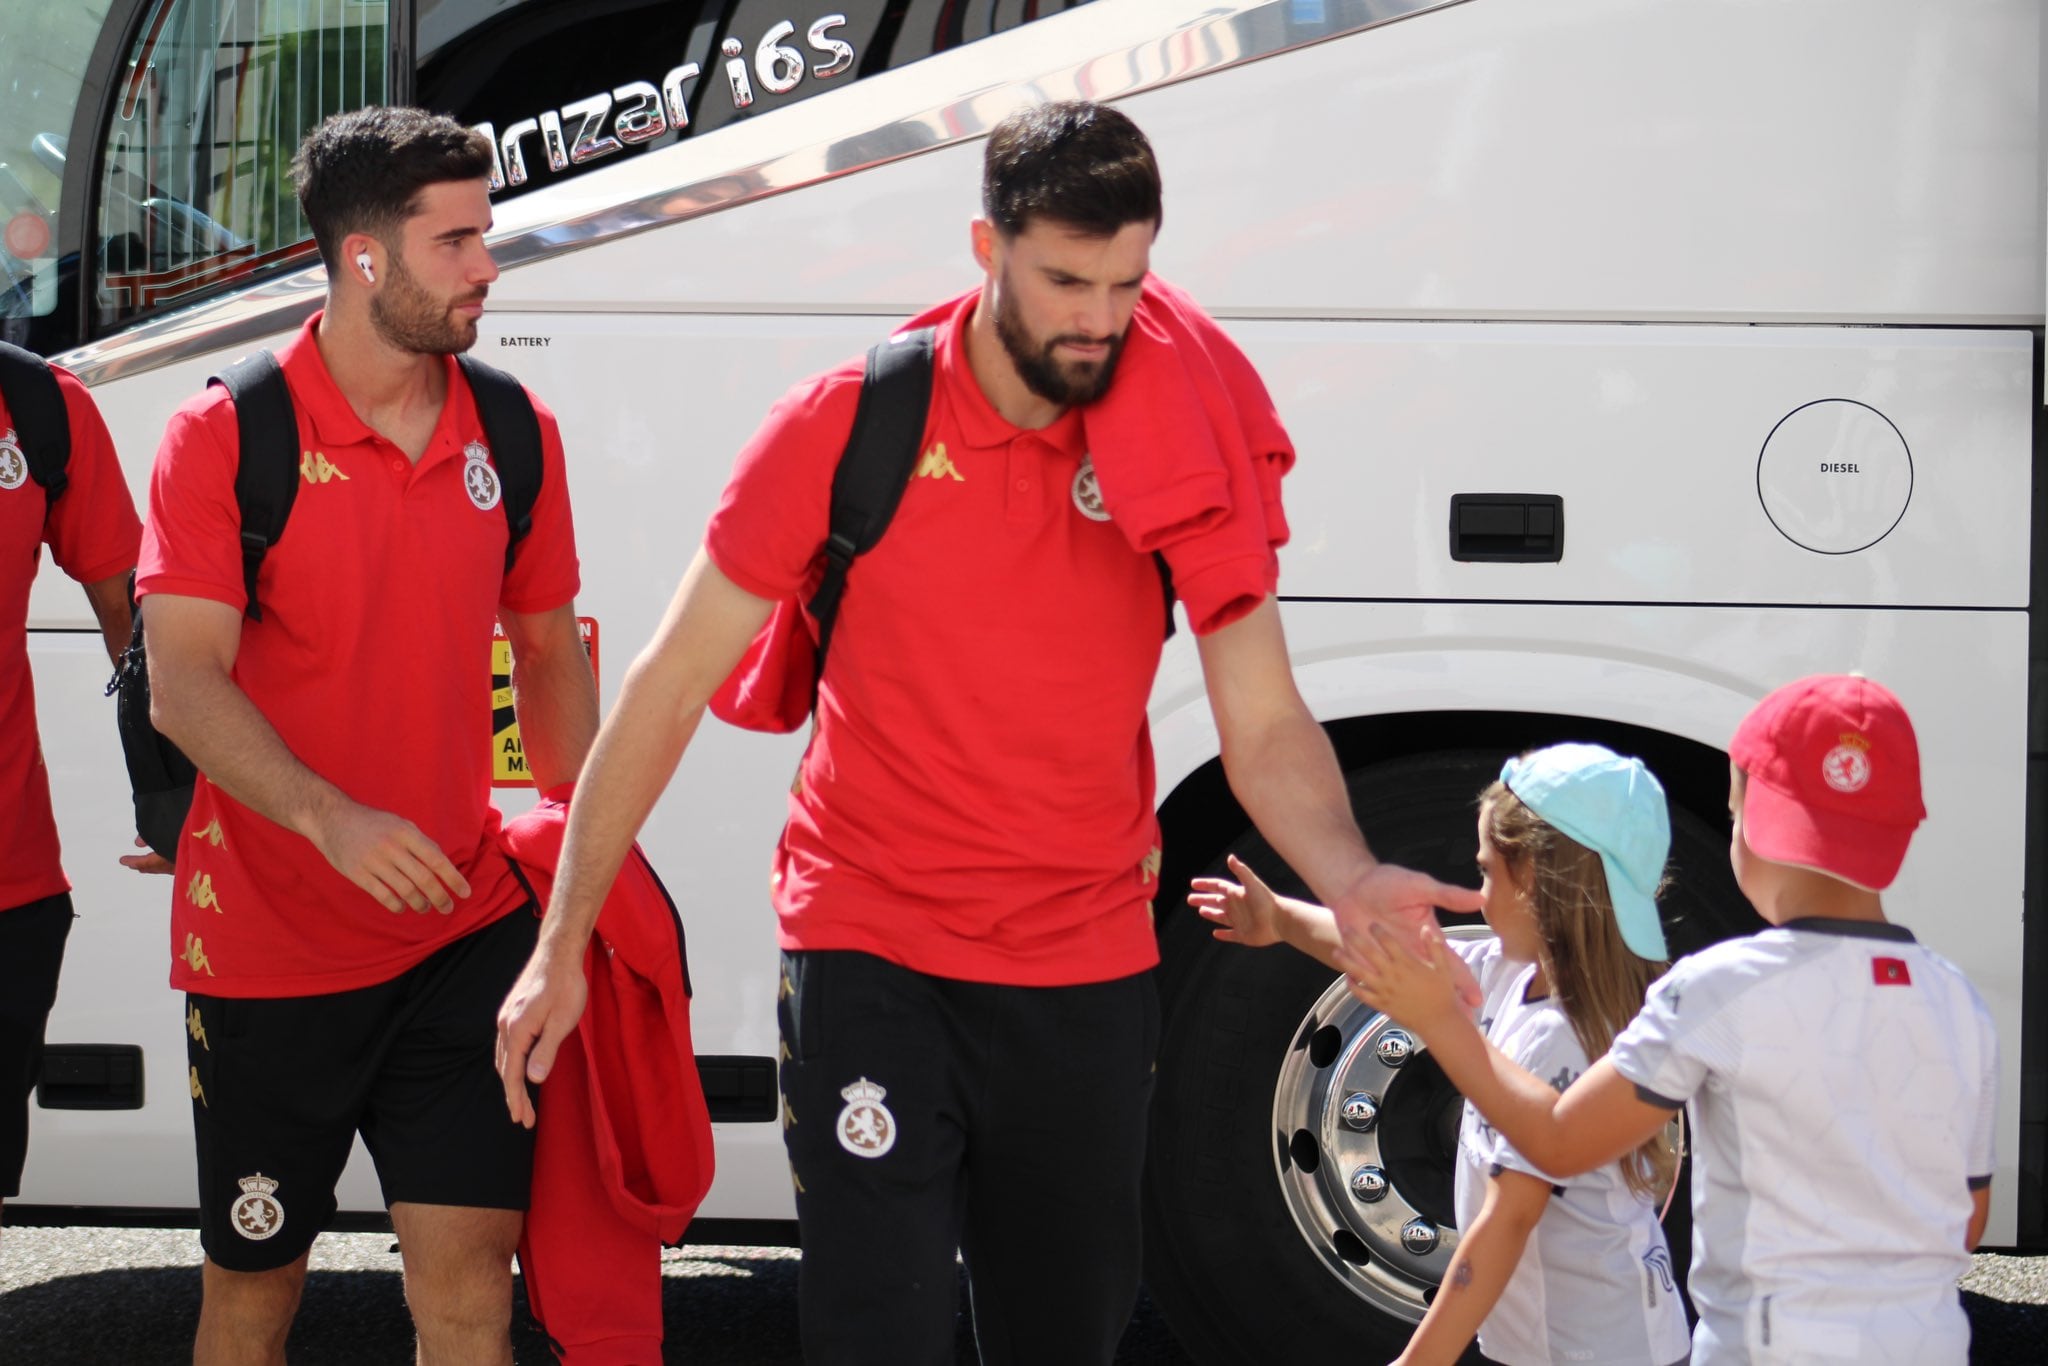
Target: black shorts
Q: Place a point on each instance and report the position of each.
(31, 952)
(924, 1114)
(280, 1088)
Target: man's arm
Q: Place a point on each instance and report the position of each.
(1284, 772)
(707, 629)
(1980, 1215)
(554, 693)
(109, 599)
(194, 701)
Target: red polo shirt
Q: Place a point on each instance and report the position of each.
(371, 661)
(976, 802)
(92, 534)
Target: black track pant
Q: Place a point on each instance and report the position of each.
(925, 1115)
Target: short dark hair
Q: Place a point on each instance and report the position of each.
(363, 171)
(1076, 162)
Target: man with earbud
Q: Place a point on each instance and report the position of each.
(344, 920)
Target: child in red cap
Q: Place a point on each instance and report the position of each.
(1842, 1079)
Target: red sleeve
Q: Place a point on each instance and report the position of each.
(545, 573)
(92, 530)
(192, 541)
(777, 507)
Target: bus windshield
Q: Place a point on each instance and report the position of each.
(42, 68)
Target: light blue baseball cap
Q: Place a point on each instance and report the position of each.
(1615, 807)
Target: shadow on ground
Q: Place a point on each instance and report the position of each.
(734, 1311)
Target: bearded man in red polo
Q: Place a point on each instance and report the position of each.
(344, 921)
(964, 886)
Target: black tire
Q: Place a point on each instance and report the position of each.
(1225, 1261)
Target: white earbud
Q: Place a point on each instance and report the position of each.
(363, 264)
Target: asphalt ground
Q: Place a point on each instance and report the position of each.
(95, 1297)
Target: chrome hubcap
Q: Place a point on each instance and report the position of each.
(1365, 1137)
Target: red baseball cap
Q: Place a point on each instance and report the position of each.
(1833, 778)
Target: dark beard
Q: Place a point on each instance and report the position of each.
(411, 319)
(1067, 385)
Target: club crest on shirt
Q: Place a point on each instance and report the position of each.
(479, 480)
(13, 464)
(1088, 491)
(866, 1128)
(1846, 767)
(257, 1215)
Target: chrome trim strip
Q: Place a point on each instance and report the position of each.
(647, 192)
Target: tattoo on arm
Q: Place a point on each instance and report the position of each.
(1462, 1277)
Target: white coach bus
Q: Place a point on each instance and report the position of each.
(1642, 355)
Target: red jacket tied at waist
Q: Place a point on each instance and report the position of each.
(1189, 452)
(622, 1149)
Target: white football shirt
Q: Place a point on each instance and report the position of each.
(1843, 1088)
(1594, 1286)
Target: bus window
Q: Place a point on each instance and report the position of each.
(564, 85)
(195, 187)
(42, 65)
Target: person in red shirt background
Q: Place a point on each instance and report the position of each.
(964, 884)
(92, 534)
(345, 921)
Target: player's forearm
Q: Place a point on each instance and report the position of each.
(109, 599)
(1480, 1269)
(206, 715)
(635, 753)
(1285, 775)
(554, 696)
(706, 630)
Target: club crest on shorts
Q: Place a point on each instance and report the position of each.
(257, 1215)
(1088, 491)
(13, 464)
(1846, 768)
(479, 480)
(866, 1128)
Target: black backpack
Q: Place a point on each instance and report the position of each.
(876, 467)
(776, 684)
(266, 482)
(41, 425)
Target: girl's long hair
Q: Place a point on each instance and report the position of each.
(1597, 982)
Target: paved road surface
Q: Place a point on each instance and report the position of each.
(95, 1297)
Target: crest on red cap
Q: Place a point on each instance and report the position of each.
(1833, 778)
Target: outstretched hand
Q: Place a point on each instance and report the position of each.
(1403, 903)
(1420, 990)
(148, 861)
(1242, 912)
(542, 1010)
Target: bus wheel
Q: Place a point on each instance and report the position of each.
(1298, 1190)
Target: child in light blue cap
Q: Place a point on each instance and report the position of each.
(1572, 845)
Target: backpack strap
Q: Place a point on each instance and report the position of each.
(267, 469)
(41, 424)
(875, 467)
(512, 431)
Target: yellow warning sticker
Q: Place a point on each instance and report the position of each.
(508, 754)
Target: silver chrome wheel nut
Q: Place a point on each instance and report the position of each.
(1361, 1110)
(1419, 1237)
(1368, 1184)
